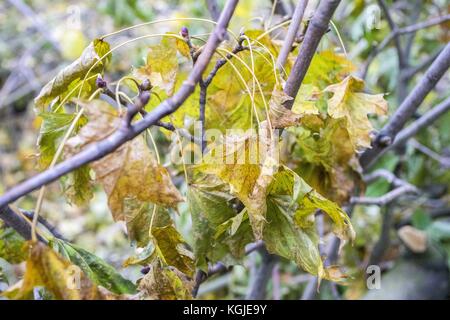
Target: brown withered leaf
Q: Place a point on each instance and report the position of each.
(348, 101)
(74, 73)
(165, 283)
(281, 117)
(46, 268)
(131, 171)
(247, 163)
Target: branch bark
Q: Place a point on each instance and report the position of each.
(407, 108)
(297, 18)
(111, 143)
(316, 29)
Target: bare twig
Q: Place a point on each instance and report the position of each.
(297, 18)
(399, 31)
(18, 223)
(394, 29)
(262, 275)
(100, 149)
(443, 161)
(384, 199)
(213, 8)
(219, 267)
(424, 121)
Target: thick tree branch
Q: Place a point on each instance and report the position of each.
(98, 150)
(408, 107)
(17, 222)
(316, 29)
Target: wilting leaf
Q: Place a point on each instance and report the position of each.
(45, 268)
(211, 212)
(165, 283)
(247, 164)
(163, 240)
(229, 104)
(350, 102)
(326, 157)
(170, 246)
(327, 68)
(73, 74)
(162, 65)
(290, 230)
(131, 171)
(144, 257)
(95, 268)
(77, 185)
(305, 201)
(280, 117)
(12, 245)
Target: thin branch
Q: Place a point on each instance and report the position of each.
(423, 122)
(394, 29)
(443, 161)
(384, 240)
(262, 276)
(424, 24)
(434, 214)
(316, 29)
(386, 198)
(401, 31)
(213, 8)
(408, 107)
(219, 267)
(98, 150)
(385, 174)
(297, 18)
(412, 71)
(53, 230)
(18, 223)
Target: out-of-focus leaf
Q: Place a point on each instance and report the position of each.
(95, 268)
(73, 74)
(162, 65)
(131, 171)
(351, 103)
(229, 104)
(327, 68)
(144, 257)
(45, 268)
(77, 185)
(414, 239)
(165, 283)
(12, 245)
(325, 158)
(211, 212)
